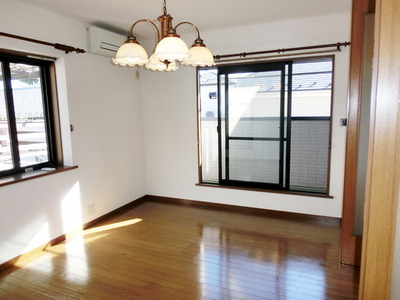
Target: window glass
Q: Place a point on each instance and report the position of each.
(267, 125)
(311, 110)
(29, 113)
(254, 104)
(311, 89)
(253, 134)
(209, 125)
(6, 162)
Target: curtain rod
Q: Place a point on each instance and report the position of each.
(67, 49)
(283, 50)
(275, 56)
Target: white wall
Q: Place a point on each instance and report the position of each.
(170, 129)
(103, 102)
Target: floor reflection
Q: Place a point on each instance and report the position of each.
(159, 251)
(76, 258)
(234, 263)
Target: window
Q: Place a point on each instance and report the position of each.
(268, 126)
(27, 115)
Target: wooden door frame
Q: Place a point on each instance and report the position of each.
(350, 252)
(383, 180)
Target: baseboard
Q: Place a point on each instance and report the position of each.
(12, 262)
(311, 219)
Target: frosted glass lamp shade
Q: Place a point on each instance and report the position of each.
(154, 64)
(199, 56)
(131, 54)
(171, 48)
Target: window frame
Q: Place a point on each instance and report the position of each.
(50, 111)
(266, 187)
(259, 67)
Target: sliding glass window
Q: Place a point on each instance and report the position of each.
(26, 125)
(267, 125)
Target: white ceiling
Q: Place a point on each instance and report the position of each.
(118, 15)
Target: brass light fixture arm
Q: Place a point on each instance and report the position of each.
(198, 41)
(148, 21)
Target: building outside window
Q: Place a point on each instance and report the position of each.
(267, 125)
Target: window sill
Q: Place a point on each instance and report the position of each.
(265, 190)
(32, 175)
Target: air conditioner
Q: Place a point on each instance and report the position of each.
(103, 42)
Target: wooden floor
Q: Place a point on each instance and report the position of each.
(171, 251)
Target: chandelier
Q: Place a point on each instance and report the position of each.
(170, 49)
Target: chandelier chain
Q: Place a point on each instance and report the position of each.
(165, 7)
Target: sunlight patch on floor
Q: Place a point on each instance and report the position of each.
(112, 226)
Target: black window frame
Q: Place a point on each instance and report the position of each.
(285, 136)
(50, 111)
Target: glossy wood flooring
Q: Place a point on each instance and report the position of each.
(171, 251)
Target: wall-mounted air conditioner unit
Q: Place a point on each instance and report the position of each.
(104, 42)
